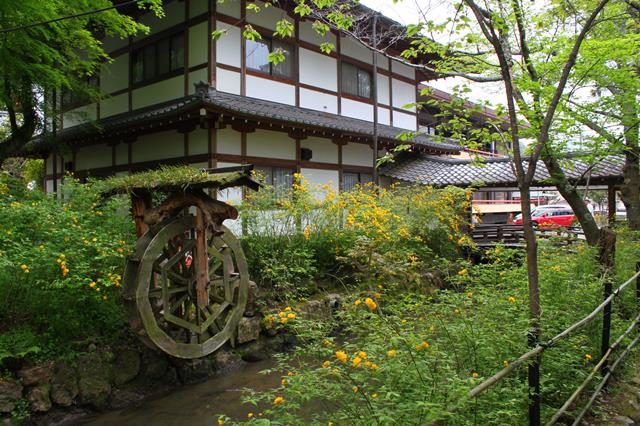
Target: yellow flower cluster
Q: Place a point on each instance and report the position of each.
(370, 303)
(24, 268)
(63, 265)
(422, 346)
(286, 315)
(114, 278)
(511, 299)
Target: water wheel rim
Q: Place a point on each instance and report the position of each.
(143, 301)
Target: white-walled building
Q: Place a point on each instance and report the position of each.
(312, 113)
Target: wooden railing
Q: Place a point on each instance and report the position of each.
(488, 235)
(602, 366)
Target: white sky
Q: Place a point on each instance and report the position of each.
(406, 12)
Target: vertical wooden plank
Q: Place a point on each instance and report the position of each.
(140, 201)
(211, 44)
(201, 261)
(243, 51)
(339, 65)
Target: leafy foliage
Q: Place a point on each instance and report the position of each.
(60, 266)
(408, 357)
(363, 233)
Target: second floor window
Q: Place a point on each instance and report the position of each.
(159, 59)
(258, 57)
(356, 81)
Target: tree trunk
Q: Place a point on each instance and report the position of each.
(534, 302)
(630, 189)
(571, 195)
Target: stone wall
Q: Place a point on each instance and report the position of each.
(114, 377)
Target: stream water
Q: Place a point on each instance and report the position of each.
(194, 405)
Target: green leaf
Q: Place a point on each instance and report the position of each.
(327, 47)
(250, 33)
(217, 34)
(284, 28)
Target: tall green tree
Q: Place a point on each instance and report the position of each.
(51, 46)
(607, 83)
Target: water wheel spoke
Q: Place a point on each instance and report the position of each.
(180, 255)
(157, 292)
(177, 304)
(214, 313)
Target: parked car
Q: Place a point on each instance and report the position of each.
(538, 211)
(552, 217)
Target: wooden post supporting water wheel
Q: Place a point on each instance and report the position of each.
(186, 286)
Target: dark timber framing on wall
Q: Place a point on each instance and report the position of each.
(211, 155)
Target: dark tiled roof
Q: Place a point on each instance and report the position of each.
(258, 108)
(439, 171)
(251, 108)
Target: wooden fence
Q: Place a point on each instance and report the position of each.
(603, 366)
(489, 235)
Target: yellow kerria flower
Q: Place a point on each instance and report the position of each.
(284, 320)
(470, 294)
(249, 415)
(511, 299)
(362, 354)
(588, 357)
(92, 284)
(463, 272)
(23, 267)
(278, 400)
(282, 314)
(328, 342)
(555, 268)
(505, 363)
(288, 309)
(220, 422)
(391, 353)
(374, 396)
(291, 315)
(355, 389)
(421, 346)
(283, 382)
(342, 356)
(326, 364)
(357, 361)
(357, 302)
(475, 375)
(370, 303)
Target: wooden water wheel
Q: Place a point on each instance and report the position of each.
(186, 286)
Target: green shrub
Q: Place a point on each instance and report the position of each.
(312, 233)
(60, 264)
(409, 357)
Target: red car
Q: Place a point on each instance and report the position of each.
(555, 217)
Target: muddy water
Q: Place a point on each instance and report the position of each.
(195, 405)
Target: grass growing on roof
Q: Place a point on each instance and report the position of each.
(167, 176)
